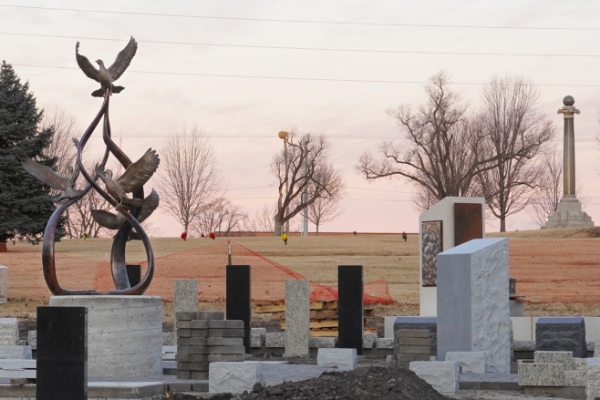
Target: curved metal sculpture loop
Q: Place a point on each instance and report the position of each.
(130, 215)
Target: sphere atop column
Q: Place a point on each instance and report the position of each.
(568, 101)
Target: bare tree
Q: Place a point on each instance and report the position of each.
(440, 153)
(220, 217)
(65, 129)
(305, 157)
(189, 175)
(263, 219)
(326, 207)
(516, 133)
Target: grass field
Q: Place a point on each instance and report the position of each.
(315, 257)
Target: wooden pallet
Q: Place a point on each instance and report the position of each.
(320, 314)
(334, 332)
(314, 305)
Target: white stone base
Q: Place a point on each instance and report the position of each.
(342, 359)
(441, 375)
(15, 352)
(468, 361)
(568, 214)
(234, 377)
(124, 334)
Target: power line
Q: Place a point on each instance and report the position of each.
(300, 21)
(295, 78)
(304, 48)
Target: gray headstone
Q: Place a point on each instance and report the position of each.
(186, 295)
(472, 303)
(297, 317)
(561, 334)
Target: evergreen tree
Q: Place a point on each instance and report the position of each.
(25, 203)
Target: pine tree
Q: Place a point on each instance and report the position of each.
(25, 203)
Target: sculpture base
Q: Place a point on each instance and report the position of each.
(568, 214)
(124, 334)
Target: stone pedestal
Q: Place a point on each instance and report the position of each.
(124, 334)
(297, 317)
(473, 311)
(568, 214)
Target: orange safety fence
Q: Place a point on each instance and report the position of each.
(205, 263)
(557, 271)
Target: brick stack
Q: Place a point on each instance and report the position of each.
(204, 337)
(411, 345)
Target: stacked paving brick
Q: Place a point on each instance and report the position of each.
(204, 337)
(411, 345)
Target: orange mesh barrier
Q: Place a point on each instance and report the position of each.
(557, 271)
(205, 263)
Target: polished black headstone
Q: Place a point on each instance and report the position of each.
(238, 298)
(61, 353)
(350, 307)
(134, 273)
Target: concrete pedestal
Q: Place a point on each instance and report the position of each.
(3, 283)
(568, 214)
(124, 334)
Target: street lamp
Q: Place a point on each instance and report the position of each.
(284, 136)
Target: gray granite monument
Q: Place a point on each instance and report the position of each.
(568, 213)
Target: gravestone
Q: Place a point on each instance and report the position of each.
(473, 309)
(561, 334)
(452, 221)
(350, 307)
(61, 353)
(238, 297)
(134, 274)
(186, 295)
(416, 323)
(297, 317)
(3, 284)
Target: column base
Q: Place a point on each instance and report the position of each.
(568, 214)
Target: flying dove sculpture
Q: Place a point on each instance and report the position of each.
(134, 178)
(114, 221)
(56, 181)
(106, 76)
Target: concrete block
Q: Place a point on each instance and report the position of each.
(192, 366)
(411, 341)
(186, 295)
(418, 323)
(257, 337)
(532, 374)
(555, 357)
(199, 375)
(9, 331)
(275, 339)
(32, 339)
(413, 357)
(185, 315)
(168, 339)
(184, 374)
(198, 324)
(384, 343)
(226, 333)
(227, 357)
(235, 349)
(234, 377)
(3, 284)
(220, 341)
(210, 315)
(369, 340)
(561, 334)
(472, 301)
(126, 331)
(182, 324)
(225, 324)
(297, 317)
(198, 341)
(184, 333)
(442, 375)
(191, 357)
(342, 359)
(15, 352)
(200, 333)
(412, 349)
(322, 342)
(575, 378)
(192, 349)
(593, 378)
(473, 361)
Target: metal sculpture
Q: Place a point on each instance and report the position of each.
(130, 210)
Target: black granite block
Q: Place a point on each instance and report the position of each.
(134, 273)
(61, 353)
(561, 334)
(350, 307)
(238, 298)
(428, 323)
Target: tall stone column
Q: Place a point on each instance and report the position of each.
(568, 213)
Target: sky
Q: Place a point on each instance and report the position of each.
(244, 70)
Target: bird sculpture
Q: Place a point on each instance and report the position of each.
(134, 178)
(106, 76)
(114, 221)
(56, 181)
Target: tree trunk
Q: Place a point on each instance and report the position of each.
(277, 227)
(503, 224)
(317, 229)
(3, 248)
